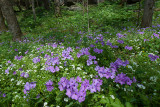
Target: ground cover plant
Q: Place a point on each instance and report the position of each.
(59, 63)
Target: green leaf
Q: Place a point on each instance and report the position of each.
(70, 105)
(128, 104)
(116, 105)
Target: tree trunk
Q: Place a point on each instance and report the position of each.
(34, 11)
(2, 22)
(8, 13)
(57, 8)
(148, 13)
(46, 4)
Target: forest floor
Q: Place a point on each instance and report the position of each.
(118, 61)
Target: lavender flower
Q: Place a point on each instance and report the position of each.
(153, 57)
(120, 41)
(49, 85)
(18, 57)
(7, 71)
(36, 60)
(129, 48)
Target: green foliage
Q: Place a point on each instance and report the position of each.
(70, 30)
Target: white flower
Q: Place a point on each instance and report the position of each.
(129, 66)
(154, 78)
(141, 86)
(12, 79)
(45, 104)
(78, 68)
(102, 96)
(112, 96)
(66, 99)
(60, 66)
(19, 82)
(91, 76)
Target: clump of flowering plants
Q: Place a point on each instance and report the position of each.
(43, 71)
(103, 71)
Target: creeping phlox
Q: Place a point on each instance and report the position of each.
(28, 86)
(153, 57)
(111, 72)
(50, 64)
(91, 59)
(71, 87)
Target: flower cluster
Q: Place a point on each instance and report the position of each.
(36, 60)
(120, 35)
(83, 51)
(153, 57)
(51, 62)
(111, 72)
(128, 47)
(66, 54)
(98, 50)
(89, 61)
(71, 87)
(123, 79)
(120, 41)
(24, 74)
(18, 57)
(28, 86)
(49, 85)
(156, 35)
(110, 44)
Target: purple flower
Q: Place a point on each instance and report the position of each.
(92, 45)
(16, 49)
(141, 32)
(129, 48)
(54, 45)
(114, 46)
(36, 59)
(21, 69)
(7, 71)
(156, 35)
(24, 74)
(26, 52)
(28, 86)
(68, 93)
(98, 50)
(78, 79)
(134, 80)
(120, 41)
(38, 49)
(89, 62)
(119, 35)
(122, 79)
(38, 96)
(66, 53)
(109, 43)
(146, 40)
(14, 73)
(18, 57)
(9, 61)
(32, 85)
(153, 57)
(4, 95)
(49, 85)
